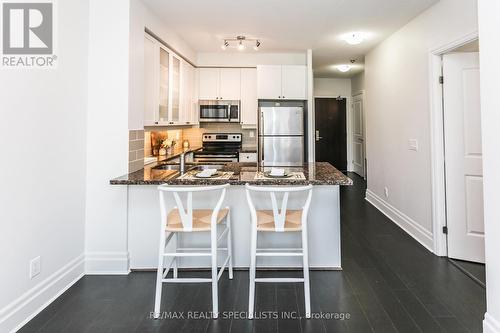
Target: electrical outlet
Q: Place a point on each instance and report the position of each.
(413, 144)
(386, 192)
(252, 134)
(35, 267)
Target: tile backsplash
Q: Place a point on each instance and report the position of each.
(135, 150)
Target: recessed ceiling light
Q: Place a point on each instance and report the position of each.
(354, 38)
(344, 68)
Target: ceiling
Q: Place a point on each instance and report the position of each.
(290, 25)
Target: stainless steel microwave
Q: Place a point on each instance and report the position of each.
(219, 111)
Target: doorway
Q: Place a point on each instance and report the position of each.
(358, 135)
(331, 131)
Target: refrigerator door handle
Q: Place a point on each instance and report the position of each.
(261, 149)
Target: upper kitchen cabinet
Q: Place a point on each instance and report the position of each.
(294, 82)
(249, 104)
(282, 82)
(219, 83)
(151, 79)
(230, 83)
(169, 86)
(269, 82)
(209, 83)
(189, 114)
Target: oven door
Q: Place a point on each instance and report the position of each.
(214, 113)
(215, 158)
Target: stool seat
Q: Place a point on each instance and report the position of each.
(201, 219)
(265, 220)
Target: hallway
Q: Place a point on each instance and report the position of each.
(389, 283)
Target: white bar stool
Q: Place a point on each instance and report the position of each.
(279, 219)
(185, 219)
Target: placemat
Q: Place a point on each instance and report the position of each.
(190, 175)
(259, 175)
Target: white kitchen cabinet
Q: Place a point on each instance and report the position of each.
(219, 83)
(294, 82)
(229, 84)
(208, 83)
(175, 91)
(282, 82)
(249, 103)
(188, 114)
(150, 81)
(247, 157)
(269, 82)
(169, 87)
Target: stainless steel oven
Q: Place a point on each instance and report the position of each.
(219, 148)
(219, 111)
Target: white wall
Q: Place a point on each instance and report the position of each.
(357, 83)
(42, 177)
(107, 136)
(397, 97)
(324, 87)
(489, 29)
(141, 17)
(250, 58)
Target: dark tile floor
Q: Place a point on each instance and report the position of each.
(389, 284)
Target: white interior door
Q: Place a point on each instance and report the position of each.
(463, 156)
(358, 133)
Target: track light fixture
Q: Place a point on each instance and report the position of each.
(240, 43)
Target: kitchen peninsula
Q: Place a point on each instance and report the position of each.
(324, 214)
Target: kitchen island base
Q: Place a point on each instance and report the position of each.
(323, 230)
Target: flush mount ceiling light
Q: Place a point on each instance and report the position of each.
(344, 68)
(354, 38)
(240, 43)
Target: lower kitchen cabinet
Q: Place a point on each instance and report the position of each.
(247, 157)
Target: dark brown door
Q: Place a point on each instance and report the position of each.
(331, 132)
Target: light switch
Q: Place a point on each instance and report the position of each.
(252, 134)
(413, 144)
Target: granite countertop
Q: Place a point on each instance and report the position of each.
(319, 173)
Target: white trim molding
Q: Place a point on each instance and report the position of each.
(107, 263)
(490, 324)
(409, 225)
(28, 305)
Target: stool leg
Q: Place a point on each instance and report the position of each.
(305, 253)
(253, 250)
(230, 245)
(215, 300)
(159, 275)
(176, 258)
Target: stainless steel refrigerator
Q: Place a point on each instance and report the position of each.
(281, 133)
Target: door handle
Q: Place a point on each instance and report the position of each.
(317, 136)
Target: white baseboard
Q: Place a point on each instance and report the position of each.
(490, 324)
(24, 308)
(107, 263)
(415, 230)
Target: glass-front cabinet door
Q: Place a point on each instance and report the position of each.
(164, 97)
(176, 89)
